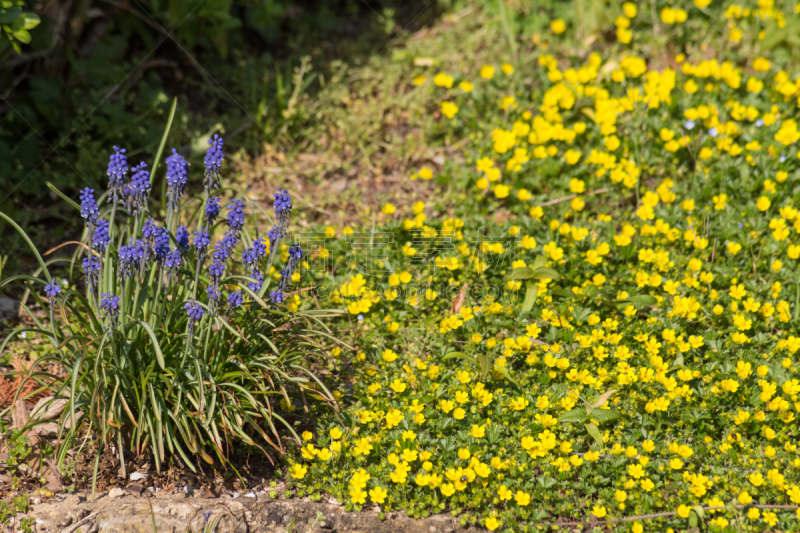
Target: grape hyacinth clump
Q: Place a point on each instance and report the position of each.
(167, 316)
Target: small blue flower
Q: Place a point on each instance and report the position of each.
(212, 210)
(110, 304)
(195, 313)
(713, 132)
(759, 122)
(689, 124)
(213, 162)
(360, 317)
(117, 171)
(52, 290)
(782, 158)
(101, 238)
(177, 172)
(89, 209)
(182, 237)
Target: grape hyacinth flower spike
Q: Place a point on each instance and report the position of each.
(91, 267)
(110, 305)
(177, 172)
(89, 209)
(101, 237)
(213, 163)
(52, 290)
(117, 171)
(236, 216)
(212, 210)
(182, 238)
(195, 313)
(235, 300)
(138, 189)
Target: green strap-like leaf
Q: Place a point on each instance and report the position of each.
(595, 433)
(531, 292)
(156, 345)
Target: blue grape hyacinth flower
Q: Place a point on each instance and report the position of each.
(52, 290)
(195, 313)
(177, 173)
(213, 163)
(101, 237)
(117, 171)
(212, 210)
(89, 209)
(109, 303)
(138, 190)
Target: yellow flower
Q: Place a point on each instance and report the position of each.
(491, 523)
(298, 471)
(599, 511)
(449, 109)
(683, 511)
(466, 87)
(522, 498)
(477, 431)
(388, 209)
(443, 80)
(558, 26)
(398, 386)
(501, 191)
(487, 72)
(763, 203)
(378, 495)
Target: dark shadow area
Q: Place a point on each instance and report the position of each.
(100, 73)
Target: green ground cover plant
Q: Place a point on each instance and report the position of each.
(591, 316)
